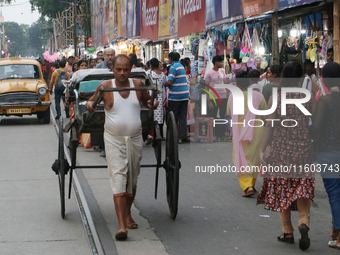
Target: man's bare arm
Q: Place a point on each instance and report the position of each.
(145, 97)
(90, 102)
(168, 83)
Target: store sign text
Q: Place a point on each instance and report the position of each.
(151, 16)
(189, 6)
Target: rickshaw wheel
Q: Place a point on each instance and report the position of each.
(61, 174)
(172, 165)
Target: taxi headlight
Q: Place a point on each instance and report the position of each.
(42, 91)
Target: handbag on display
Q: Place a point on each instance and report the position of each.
(202, 45)
(221, 47)
(238, 67)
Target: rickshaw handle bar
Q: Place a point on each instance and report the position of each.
(99, 97)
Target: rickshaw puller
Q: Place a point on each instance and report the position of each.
(123, 138)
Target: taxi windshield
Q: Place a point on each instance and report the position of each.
(19, 71)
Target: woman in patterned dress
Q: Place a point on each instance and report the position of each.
(157, 74)
(290, 150)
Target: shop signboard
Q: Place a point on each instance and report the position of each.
(123, 13)
(150, 14)
(106, 28)
(291, 3)
(133, 18)
(164, 8)
(218, 12)
(190, 17)
(173, 17)
(257, 7)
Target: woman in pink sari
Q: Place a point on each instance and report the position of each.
(246, 137)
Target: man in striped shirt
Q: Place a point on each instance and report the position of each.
(178, 94)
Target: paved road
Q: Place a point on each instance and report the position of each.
(213, 218)
(30, 221)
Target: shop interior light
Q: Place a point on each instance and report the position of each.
(122, 46)
(293, 33)
(261, 50)
(279, 33)
(303, 31)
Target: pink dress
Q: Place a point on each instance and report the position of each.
(190, 112)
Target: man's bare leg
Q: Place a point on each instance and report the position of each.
(120, 206)
(130, 223)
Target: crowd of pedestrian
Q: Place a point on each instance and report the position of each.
(253, 146)
(290, 146)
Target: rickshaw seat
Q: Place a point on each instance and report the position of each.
(87, 89)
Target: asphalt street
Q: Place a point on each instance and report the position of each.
(30, 221)
(213, 217)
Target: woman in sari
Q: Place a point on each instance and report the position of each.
(247, 138)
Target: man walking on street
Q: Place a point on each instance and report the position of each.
(123, 138)
(100, 54)
(57, 76)
(178, 94)
(109, 55)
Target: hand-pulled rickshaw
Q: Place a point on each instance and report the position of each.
(78, 90)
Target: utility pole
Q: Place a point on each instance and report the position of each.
(75, 28)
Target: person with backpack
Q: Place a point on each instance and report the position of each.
(56, 82)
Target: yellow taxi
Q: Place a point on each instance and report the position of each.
(23, 90)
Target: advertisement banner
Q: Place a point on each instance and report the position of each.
(150, 13)
(100, 22)
(133, 18)
(137, 18)
(173, 17)
(256, 7)
(190, 17)
(93, 8)
(111, 20)
(123, 13)
(117, 20)
(219, 12)
(164, 8)
(291, 3)
(106, 28)
(129, 19)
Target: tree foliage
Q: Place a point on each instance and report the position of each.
(15, 38)
(27, 40)
(50, 8)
